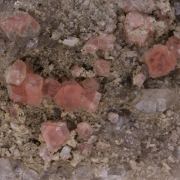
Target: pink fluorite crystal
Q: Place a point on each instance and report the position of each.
(51, 87)
(160, 61)
(71, 97)
(23, 85)
(33, 89)
(55, 134)
(21, 24)
(84, 130)
(104, 42)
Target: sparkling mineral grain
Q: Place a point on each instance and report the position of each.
(160, 61)
(138, 28)
(20, 24)
(16, 73)
(55, 134)
(84, 130)
(102, 67)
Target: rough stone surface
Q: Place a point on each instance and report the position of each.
(141, 145)
(6, 170)
(177, 8)
(156, 100)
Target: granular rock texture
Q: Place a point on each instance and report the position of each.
(130, 107)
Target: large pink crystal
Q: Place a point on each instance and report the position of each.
(160, 61)
(23, 85)
(71, 97)
(20, 24)
(55, 134)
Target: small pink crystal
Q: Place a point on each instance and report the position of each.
(16, 73)
(84, 130)
(102, 67)
(139, 28)
(33, 89)
(51, 87)
(21, 24)
(55, 135)
(104, 42)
